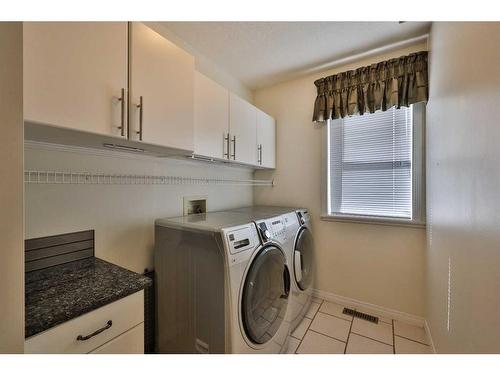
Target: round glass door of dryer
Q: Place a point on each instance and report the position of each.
(303, 259)
(265, 295)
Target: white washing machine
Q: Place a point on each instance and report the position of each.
(219, 288)
(299, 246)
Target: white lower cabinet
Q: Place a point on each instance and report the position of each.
(130, 342)
(122, 320)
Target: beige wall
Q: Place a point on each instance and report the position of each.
(463, 185)
(382, 265)
(122, 215)
(11, 189)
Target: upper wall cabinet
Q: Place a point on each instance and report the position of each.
(161, 90)
(211, 118)
(75, 75)
(266, 140)
(123, 85)
(228, 127)
(243, 130)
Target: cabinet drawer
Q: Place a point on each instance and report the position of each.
(125, 314)
(130, 342)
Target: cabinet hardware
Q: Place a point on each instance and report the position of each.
(122, 112)
(100, 330)
(234, 147)
(141, 110)
(225, 145)
(259, 149)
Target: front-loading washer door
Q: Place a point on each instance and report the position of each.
(303, 259)
(265, 295)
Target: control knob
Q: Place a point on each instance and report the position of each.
(266, 234)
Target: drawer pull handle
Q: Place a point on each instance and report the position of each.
(100, 330)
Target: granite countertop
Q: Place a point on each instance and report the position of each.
(57, 294)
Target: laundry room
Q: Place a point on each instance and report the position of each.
(283, 185)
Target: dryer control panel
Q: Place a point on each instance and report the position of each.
(303, 216)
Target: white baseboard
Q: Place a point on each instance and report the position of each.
(369, 307)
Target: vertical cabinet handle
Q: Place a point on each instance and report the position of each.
(225, 145)
(122, 112)
(259, 149)
(234, 147)
(141, 110)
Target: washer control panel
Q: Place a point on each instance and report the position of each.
(272, 229)
(264, 231)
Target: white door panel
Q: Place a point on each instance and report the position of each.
(211, 117)
(163, 75)
(266, 139)
(74, 73)
(243, 130)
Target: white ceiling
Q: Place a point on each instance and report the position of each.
(260, 54)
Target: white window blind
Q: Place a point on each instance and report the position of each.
(370, 171)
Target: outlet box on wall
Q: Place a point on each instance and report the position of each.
(195, 204)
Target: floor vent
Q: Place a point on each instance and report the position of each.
(360, 315)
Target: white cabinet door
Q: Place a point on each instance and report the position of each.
(243, 130)
(266, 139)
(74, 73)
(162, 75)
(211, 117)
(130, 342)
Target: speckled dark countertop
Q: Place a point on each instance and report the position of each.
(57, 294)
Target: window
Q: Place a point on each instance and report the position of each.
(375, 166)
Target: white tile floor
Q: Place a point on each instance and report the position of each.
(327, 330)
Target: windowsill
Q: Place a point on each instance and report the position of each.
(373, 220)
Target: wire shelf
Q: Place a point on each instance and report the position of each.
(57, 177)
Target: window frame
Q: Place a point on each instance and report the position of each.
(418, 179)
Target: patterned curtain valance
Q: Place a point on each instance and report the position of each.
(396, 82)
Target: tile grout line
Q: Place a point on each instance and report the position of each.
(317, 312)
(330, 337)
(348, 335)
(418, 342)
(370, 338)
(307, 329)
(393, 339)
